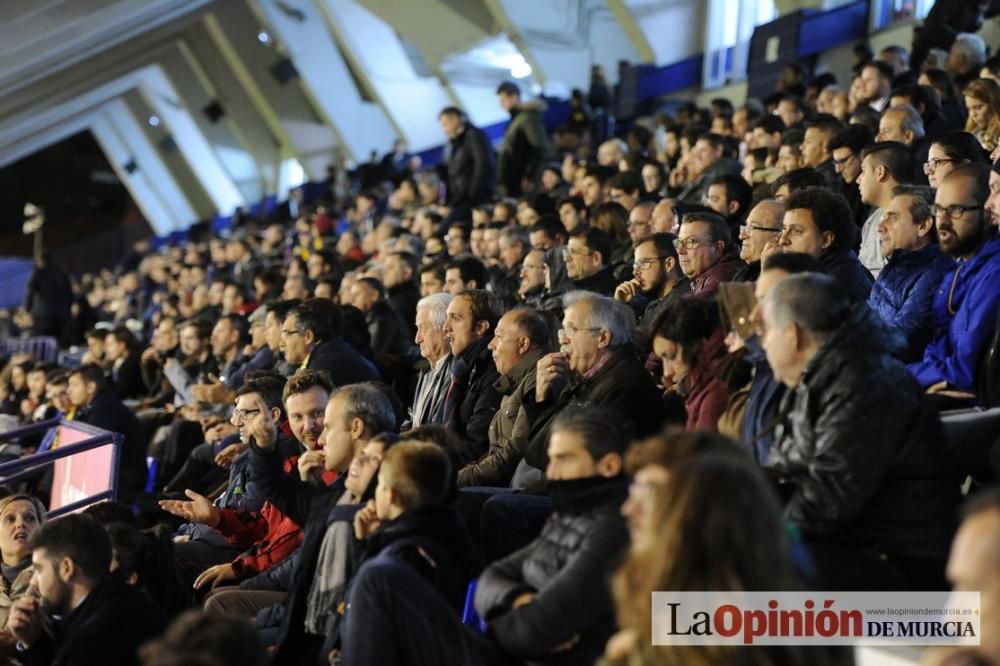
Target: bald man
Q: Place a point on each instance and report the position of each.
(763, 226)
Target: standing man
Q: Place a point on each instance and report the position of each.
(470, 162)
(525, 144)
(49, 297)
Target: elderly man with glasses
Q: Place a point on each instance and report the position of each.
(763, 226)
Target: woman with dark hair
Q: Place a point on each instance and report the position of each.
(698, 539)
(612, 218)
(948, 151)
(689, 340)
(145, 559)
(952, 109)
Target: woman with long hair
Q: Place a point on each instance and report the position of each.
(612, 218)
(950, 150)
(982, 99)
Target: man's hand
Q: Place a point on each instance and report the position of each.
(311, 465)
(218, 432)
(626, 291)
(228, 455)
(198, 510)
(214, 392)
(366, 521)
(771, 247)
(25, 620)
(521, 600)
(262, 428)
(551, 374)
(150, 355)
(215, 576)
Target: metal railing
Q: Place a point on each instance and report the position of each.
(43, 348)
(28, 467)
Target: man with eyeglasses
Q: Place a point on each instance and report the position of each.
(658, 280)
(705, 252)
(966, 303)
(763, 226)
(312, 339)
(587, 255)
(532, 285)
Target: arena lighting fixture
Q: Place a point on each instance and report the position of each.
(520, 70)
(154, 121)
(263, 37)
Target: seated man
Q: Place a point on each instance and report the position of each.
(857, 444)
(588, 261)
(817, 222)
(597, 365)
(389, 333)
(966, 302)
(548, 603)
(521, 339)
(903, 293)
(312, 339)
(763, 224)
(83, 614)
(435, 376)
(471, 399)
(705, 252)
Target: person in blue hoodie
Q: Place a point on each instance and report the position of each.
(968, 297)
(903, 293)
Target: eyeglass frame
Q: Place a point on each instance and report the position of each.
(931, 165)
(684, 243)
(567, 250)
(937, 210)
(642, 264)
(244, 414)
(754, 227)
(571, 331)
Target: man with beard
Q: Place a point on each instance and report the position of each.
(658, 279)
(101, 618)
(965, 307)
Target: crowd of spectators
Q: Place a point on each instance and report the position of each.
(711, 353)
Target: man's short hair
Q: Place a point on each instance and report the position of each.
(436, 267)
(419, 472)
(310, 315)
(603, 430)
(814, 302)
(627, 181)
(792, 263)
(596, 240)
(269, 385)
(718, 228)
(369, 402)
(972, 46)
(921, 199)
(239, 324)
(576, 202)
(601, 173)
(663, 242)
(305, 380)
(514, 234)
(485, 306)
(912, 122)
(737, 189)
(885, 70)
(853, 137)
(437, 307)
(534, 324)
(280, 309)
(470, 268)
(770, 124)
(799, 179)
(713, 139)
(979, 173)
(408, 258)
(793, 139)
(550, 225)
(452, 111)
(375, 285)
(830, 212)
(894, 156)
(825, 123)
(80, 538)
(605, 313)
(509, 88)
(90, 372)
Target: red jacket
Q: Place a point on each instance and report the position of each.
(707, 396)
(269, 536)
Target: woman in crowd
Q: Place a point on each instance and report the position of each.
(20, 517)
(689, 339)
(982, 99)
(612, 217)
(950, 150)
(145, 559)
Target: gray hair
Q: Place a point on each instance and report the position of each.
(369, 402)
(516, 234)
(813, 301)
(972, 46)
(605, 313)
(912, 122)
(921, 199)
(437, 305)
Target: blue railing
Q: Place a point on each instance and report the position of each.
(24, 468)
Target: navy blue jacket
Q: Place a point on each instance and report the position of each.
(845, 267)
(903, 294)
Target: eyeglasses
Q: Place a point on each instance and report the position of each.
(533, 267)
(566, 251)
(841, 163)
(643, 264)
(930, 166)
(633, 225)
(690, 243)
(953, 211)
(244, 414)
(748, 229)
(571, 330)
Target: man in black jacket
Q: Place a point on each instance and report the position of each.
(472, 398)
(390, 335)
(399, 274)
(856, 442)
(101, 618)
(48, 299)
(95, 404)
(547, 603)
(312, 338)
(588, 261)
(471, 171)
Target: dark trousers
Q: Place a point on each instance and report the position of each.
(193, 557)
(846, 567)
(394, 616)
(199, 472)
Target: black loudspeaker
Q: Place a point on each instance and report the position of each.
(131, 166)
(284, 71)
(214, 111)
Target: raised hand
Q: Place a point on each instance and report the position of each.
(311, 465)
(198, 510)
(366, 521)
(551, 374)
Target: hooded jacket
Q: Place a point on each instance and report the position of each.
(705, 395)
(954, 354)
(862, 449)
